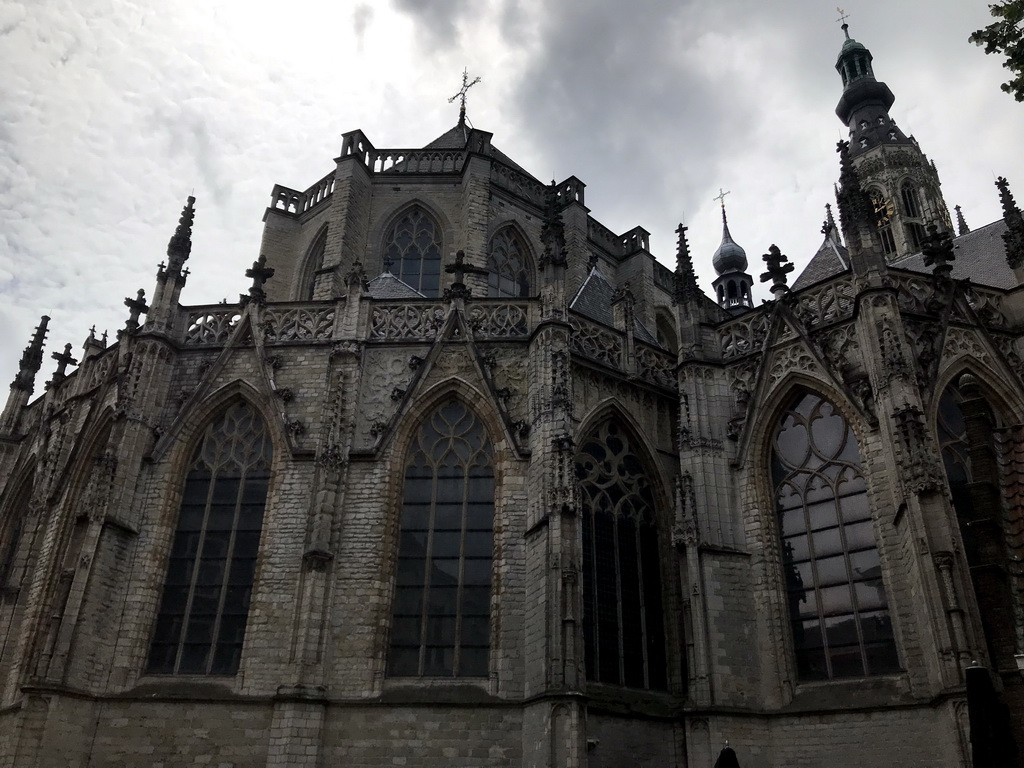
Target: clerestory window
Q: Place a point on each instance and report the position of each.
(441, 615)
(838, 609)
(412, 246)
(205, 604)
(507, 266)
(623, 620)
(313, 263)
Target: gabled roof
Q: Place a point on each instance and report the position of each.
(594, 300)
(980, 258)
(387, 286)
(830, 260)
(458, 137)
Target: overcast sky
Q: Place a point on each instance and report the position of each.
(113, 111)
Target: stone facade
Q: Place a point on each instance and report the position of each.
(343, 372)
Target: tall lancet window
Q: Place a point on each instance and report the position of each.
(837, 603)
(205, 604)
(312, 265)
(508, 273)
(623, 621)
(413, 248)
(441, 618)
(11, 527)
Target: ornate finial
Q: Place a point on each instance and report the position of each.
(828, 227)
(961, 222)
(1013, 237)
(721, 199)
(357, 275)
(459, 268)
(136, 307)
(260, 273)
(31, 358)
(685, 280)
(552, 232)
(778, 267)
(937, 249)
(843, 16)
(854, 203)
(64, 359)
(180, 245)
(461, 95)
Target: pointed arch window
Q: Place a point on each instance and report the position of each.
(412, 246)
(838, 609)
(314, 262)
(11, 530)
(442, 606)
(911, 202)
(508, 272)
(205, 604)
(623, 619)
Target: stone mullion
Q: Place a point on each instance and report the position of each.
(905, 442)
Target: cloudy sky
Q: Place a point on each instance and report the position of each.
(113, 111)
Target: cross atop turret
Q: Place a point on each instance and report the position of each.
(136, 307)
(64, 359)
(461, 95)
(260, 273)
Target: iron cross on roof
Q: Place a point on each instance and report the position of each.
(721, 196)
(461, 95)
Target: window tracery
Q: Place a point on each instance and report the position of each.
(623, 619)
(838, 609)
(441, 613)
(314, 262)
(11, 530)
(508, 273)
(412, 247)
(200, 626)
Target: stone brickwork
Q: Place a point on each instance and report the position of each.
(343, 382)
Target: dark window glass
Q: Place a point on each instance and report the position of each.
(507, 270)
(441, 615)
(911, 205)
(11, 530)
(314, 262)
(412, 248)
(623, 627)
(837, 605)
(201, 623)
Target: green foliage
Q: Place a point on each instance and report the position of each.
(1006, 36)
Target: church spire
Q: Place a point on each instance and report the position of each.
(730, 262)
(1013, 237)
(864, 105)
(24, 381)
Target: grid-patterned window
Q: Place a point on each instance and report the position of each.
(507, 271)
(911, 204)
(201, 624)
(11, 530)
(412, 247)
(441, 616)
(837, 603)
(623, 622)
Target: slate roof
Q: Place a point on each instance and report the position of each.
(594, 301)
(980, 258)
(831, 259)
(457, 137)
(387, 286)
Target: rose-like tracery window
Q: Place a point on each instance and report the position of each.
(412, 247)
(507, 271)
(623, 622)
(837, 604)
(442, 607)
(201, 624)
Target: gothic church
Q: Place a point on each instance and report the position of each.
(467, 479)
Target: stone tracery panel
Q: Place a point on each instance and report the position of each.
(298, 324)
(406, 321)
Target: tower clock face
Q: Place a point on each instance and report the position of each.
(884, 209)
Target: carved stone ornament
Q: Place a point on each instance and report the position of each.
(919, 469)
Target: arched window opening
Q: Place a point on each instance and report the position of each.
(312, 265)
(508, 272)
(721, 294)
(412, 247)
(915, 234)
(623, 620)
(731, 290)
(968, 430)
(666, 332)
(11, 529)
(911, 204)
(201, 623)
(837, 603)
(441, 617)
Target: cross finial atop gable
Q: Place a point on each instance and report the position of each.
(461, 94)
